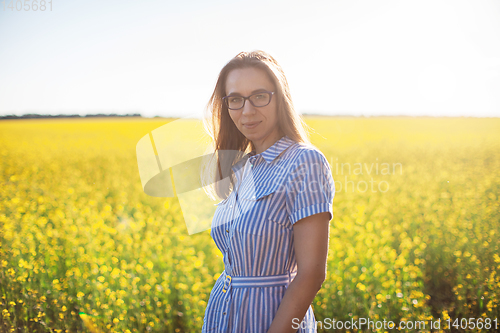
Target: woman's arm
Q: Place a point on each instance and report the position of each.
(311, 250)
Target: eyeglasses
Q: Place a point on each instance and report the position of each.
(258, 100)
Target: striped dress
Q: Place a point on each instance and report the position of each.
(253, 228)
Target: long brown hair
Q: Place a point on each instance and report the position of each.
(223, 131)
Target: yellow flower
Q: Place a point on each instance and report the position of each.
(88, 323)
(445, 315)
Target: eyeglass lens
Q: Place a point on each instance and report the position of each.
(257, 100)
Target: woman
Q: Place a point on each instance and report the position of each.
(272, 226)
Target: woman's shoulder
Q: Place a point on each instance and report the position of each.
(306, 153)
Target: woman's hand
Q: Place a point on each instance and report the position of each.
(311, 236)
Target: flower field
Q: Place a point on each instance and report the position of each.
(414, 237)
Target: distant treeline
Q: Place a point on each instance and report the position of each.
(34, 115)
(305, 114)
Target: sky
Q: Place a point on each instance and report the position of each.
(162, 58)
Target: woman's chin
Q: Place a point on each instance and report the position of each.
(251, 135)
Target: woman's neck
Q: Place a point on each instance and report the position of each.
(267, 142)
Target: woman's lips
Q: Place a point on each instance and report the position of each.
(252, 125)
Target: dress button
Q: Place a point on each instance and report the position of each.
(224, 313)
(227, 230)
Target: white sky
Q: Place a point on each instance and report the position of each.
(358, 57)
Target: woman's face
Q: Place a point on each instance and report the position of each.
(258, 124)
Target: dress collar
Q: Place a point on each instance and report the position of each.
(269, 154)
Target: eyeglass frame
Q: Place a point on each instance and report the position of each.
(248, 98)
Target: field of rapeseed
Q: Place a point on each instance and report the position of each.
(83, 249)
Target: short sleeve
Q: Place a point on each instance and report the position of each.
(310, 188)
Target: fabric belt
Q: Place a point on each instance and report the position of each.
(256, 281)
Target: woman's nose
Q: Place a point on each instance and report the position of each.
(248, 108)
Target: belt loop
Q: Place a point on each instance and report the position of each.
(226, 277)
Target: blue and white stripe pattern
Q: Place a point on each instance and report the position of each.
(257, 281)
(253, 228)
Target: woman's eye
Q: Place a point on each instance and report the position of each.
(235, 99)
(260, 96)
